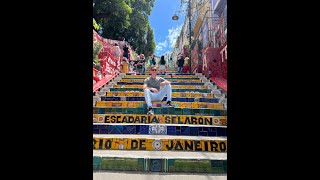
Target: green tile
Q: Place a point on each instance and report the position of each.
(157, 110)
(165, 110)
(171, 110)
(132, 110)
(140, 110)
(195, 111)
(109, 110)
(186, 111)
(101, 111)
(177, 111)
(170, 162)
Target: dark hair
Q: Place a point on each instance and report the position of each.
(162, 61)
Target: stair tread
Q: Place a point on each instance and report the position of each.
(136, 136)
(161, 154)
(154, 124)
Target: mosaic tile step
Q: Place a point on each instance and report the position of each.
(176, 99)
(165, 119)
(173, 90)
(161, 111)
(141, 94)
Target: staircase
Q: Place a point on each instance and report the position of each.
(190, 138)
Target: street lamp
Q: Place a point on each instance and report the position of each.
(176, 17)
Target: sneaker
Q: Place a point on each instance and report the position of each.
(169, 104)
(150, 112)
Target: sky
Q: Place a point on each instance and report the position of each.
(165, 29)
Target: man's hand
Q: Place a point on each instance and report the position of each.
(154, 90)
(165, 82)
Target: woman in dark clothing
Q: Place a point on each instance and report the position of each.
(162, 67)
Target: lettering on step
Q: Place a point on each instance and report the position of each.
(165, 119)
(167, 144)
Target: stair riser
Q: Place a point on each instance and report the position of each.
(172, 86)
(172, 83)
(169, 76)
(160, 130)
(169, 79)
(174, 100)
(142, 103)
(160, 111)
(160, 119)
(160, 165)
(141, 94)
(159, 144)
(173, 90)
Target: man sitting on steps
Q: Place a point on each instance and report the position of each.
(152, 90)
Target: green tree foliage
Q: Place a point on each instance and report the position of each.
(127, 19)
(97, 46)
(151, 43)
(113, 16)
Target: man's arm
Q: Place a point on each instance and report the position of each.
(165, 82)
(144, 86)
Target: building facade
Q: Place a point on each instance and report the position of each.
(209, 38)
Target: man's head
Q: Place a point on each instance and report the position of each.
(153, 70)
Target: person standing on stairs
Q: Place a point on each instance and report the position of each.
(140, 64)
(125, 65)
(143, 62)
(152, 91)
(180, 63)
(186, 68)
(126, 51)
(162, 65)
(153, 61)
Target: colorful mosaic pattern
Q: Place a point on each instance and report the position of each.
(159, 144)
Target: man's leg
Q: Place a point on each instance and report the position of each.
(149, 97)
(166, 90)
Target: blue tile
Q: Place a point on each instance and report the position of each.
(203, 133)
(185, 130)
(171, 130)
(144, 129)
(103, 131)
(112, 99)
(194, 131)
(129, 129)
(96, 129)
(212, 129)
(222, 131)
(212, 133)
(116, 130)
